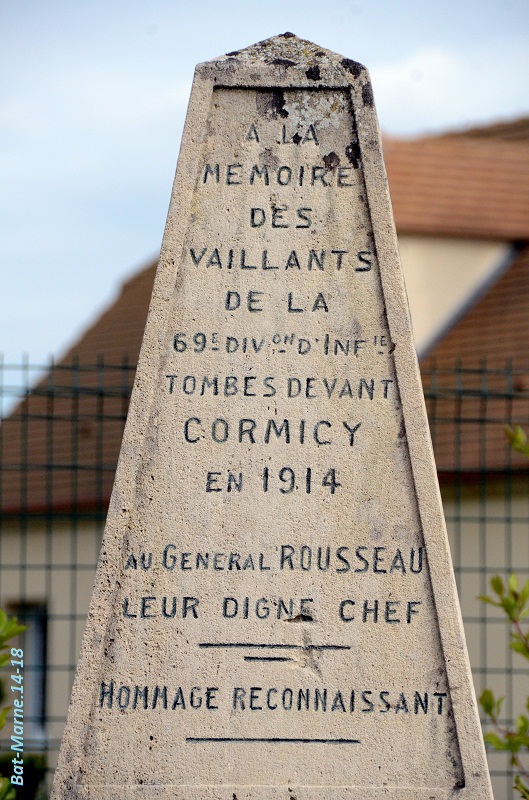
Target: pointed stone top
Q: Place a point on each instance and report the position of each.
(287, 56)
(288, 50)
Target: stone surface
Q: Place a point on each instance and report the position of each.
(274, 613)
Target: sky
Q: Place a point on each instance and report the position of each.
(93, 100)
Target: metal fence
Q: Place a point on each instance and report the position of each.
(59, 441)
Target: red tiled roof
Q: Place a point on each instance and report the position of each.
(60, 446)
(118, 332)
(516, 130)
(466, 187)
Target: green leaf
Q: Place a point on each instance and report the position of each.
(9, 628)
(486, 599)
(487, 702)
(515, 743)
(510, 607)
(3, 716)
(497, 709)
(513, 582)
(6, 790)
(497, 743)
(522, 725)
(520, 786)
(524, 594)
(12, 628)
(497, 585)
(519, 646)
(517, 438)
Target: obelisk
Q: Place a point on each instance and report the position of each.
(275, 614)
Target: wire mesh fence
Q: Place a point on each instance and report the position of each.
(59, 443)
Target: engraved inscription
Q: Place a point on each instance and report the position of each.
(297, 557)
(274, 616)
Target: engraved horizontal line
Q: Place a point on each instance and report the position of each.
(277, 646)
(267, 658)
(272, 740)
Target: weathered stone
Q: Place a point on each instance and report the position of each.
(275, 614)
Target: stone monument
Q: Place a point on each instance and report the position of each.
(274, 614)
